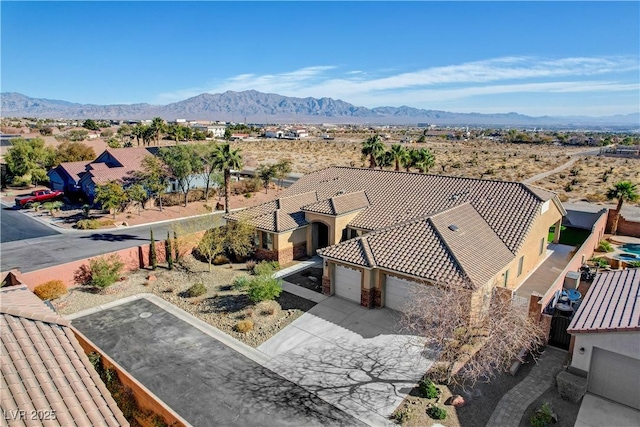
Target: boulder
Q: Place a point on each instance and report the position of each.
(455, 400)
(152, 277)
(571, 387)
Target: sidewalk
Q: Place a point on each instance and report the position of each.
(514, 403)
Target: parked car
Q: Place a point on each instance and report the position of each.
(40, 196)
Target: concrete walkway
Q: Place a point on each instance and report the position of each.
(513, 404)
(350, 356)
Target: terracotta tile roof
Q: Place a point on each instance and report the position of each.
(611, 304)
(340, 204)
(428, 249)
(278, 215)
(128, 161)
(74, 169)
(44, 368)
(508, 207)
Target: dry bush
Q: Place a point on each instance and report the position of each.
(50, 290)
(244, 326)
(176, 199)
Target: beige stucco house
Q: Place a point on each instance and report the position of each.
(606, 337)
(382, 233)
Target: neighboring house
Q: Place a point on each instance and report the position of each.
(273, 133)
(216, 131)
(383, 233)
(113, 164)
(606, 337)
(45, 372)
(66, 177)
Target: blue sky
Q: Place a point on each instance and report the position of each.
(537, 58)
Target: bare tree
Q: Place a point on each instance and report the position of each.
(471, 336)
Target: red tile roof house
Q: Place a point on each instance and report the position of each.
(382, 233)
(46, 377)
(606, 337)
(113, 164)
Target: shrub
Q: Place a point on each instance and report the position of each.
(542, 417)
(240, 283)
(259, 288)
(50, 290)
(88, 224)
(436, 412)
(266, 268)
(634, 264)
(605, 246)
(250, 265)
(196, 290)
(428, 389)
(220, 259)
(244, 326)
(600, 262)
(401, 416)
(105, 271)
(153, 257)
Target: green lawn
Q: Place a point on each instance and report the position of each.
(570, 236)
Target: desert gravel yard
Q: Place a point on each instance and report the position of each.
(221, 306)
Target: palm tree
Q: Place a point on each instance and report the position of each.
(623, 191)
(372, 147)
(423, 159)
(226, 159)
(158, 126)
(138, 132)
(175, 132)
(399, 155)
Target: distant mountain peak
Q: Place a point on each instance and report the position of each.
(262, 107)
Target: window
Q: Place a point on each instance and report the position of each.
(542, 246)
(267, 240)
(545, 207)
(506, 278)
(520, 262)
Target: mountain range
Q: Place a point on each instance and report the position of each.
(256, 107)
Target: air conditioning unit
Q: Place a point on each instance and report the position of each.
(572, 280)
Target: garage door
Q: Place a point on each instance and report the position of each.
(347, 283)
(615, 377)
(399, 292)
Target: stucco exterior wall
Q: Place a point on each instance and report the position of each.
(626, 343)
(530, 249)
(335, 223)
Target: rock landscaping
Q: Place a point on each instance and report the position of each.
(217, 302)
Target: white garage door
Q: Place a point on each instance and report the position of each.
(615, 377)
(347, 283)
(399, 292)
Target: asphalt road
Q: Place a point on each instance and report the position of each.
(16, 226)
(199, 377)
(71, 245)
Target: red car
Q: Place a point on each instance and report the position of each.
(40, 196)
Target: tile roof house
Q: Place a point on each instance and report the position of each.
(45, 370)
(606, 337)
(383, 232)
(113, 164)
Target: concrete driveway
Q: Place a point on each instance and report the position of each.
(350, 356)
(208, 378)
(596, 411)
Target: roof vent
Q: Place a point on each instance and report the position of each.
(340, 192)
(453, 227)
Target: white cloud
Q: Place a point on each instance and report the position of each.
(496, 76)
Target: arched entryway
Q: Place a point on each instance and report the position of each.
(319, 236)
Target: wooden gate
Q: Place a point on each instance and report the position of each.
(559, 336)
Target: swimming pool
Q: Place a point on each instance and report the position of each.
(631, 248)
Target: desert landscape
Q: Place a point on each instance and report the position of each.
(587, 179)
